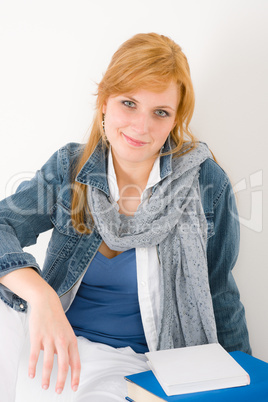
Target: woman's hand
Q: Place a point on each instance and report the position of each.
(51, 332)
(49, 328)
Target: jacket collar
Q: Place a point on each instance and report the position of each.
(94, 171)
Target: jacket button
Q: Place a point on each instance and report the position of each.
(21, 306)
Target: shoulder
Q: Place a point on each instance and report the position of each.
(69, 155)
(62, 163)
(212, 171)
(213, 181)
(71, 150)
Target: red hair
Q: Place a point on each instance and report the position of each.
(149, 61)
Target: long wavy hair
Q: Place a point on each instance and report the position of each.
(149, 61)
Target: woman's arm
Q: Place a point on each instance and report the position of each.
(23, 216)
(222, 251)
(49, 328)
(26, 214)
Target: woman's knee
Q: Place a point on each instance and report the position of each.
(12, 338)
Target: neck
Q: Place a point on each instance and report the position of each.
(132, 174)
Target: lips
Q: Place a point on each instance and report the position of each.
(133, 142)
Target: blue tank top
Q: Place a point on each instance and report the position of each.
(106, 307)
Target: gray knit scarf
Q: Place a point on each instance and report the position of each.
(174, 221)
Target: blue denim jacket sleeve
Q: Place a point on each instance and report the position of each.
(220, 209)
(26, 214)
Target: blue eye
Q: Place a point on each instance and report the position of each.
(161, 113)
(128, 103)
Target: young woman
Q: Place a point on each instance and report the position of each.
(145, 236)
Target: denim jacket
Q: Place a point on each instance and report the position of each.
(44, 203)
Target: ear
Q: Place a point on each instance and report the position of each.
(104, 107)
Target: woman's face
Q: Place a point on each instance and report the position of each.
(137, 124)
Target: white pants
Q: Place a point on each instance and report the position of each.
(102, 374)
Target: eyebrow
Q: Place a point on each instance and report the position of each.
(156, 107)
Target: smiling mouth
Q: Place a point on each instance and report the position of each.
(133, 142)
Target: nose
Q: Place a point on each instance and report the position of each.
(141, 123)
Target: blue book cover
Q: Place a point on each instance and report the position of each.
(256, 391)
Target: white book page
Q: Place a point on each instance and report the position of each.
(204, 363)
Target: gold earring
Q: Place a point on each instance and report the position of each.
(103, 128)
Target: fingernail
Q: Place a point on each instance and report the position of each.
(31, 376)
(75, 387)
(59, 390)
(45, 386)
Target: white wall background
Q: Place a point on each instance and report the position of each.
(52, 53)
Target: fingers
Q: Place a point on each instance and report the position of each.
(54, 335)
(63, 364)
(68, 357)
(47, 365)
(75, 365)
(34, 355)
